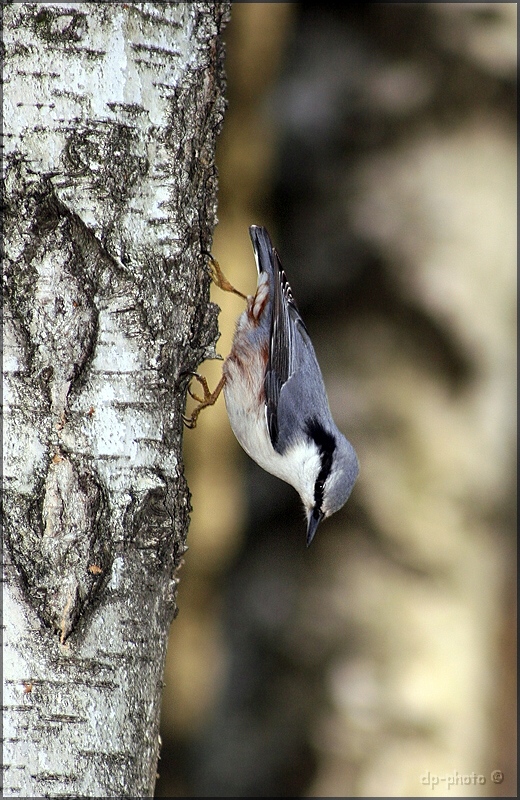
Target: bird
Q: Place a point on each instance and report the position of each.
(275, 395)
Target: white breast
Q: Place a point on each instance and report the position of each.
(244, 392)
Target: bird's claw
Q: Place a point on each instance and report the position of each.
(195, 396)
(209, 399)
(218, 278)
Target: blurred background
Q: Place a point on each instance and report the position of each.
(377, 142)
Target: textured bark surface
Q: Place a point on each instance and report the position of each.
(111, 114)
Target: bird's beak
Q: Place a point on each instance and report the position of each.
(314, 520)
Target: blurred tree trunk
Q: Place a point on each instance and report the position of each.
(370, 665)
(111, 115)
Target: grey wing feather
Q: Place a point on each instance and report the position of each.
(285, 318)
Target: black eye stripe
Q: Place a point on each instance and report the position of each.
(326, 445)
(325, 441)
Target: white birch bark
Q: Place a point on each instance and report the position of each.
(111, 112)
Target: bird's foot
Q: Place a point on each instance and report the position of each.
(209, 399)
(220, 279)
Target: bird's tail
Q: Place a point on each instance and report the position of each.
(265, 255)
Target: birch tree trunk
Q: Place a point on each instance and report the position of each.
(111, 114)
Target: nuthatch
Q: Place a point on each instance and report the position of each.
(275, 395)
